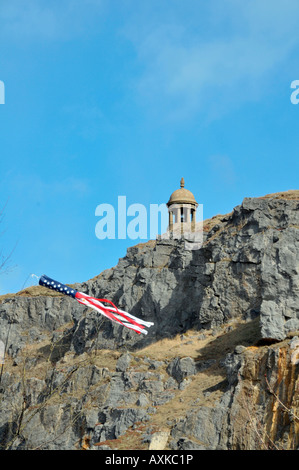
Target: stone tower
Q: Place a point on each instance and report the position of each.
(182, 211)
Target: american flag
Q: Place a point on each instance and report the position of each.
(110, 311)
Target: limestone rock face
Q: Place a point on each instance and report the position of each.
(248, 266)
(246, 272)
(259, 409)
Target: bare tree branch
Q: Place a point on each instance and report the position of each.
(5, 258)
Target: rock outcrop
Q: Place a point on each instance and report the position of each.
(74, 380)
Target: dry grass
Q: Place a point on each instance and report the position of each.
(168, 348)
(212, 346)
(208, 224)
(292, 194)
(33, 291)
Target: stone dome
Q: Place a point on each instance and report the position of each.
(182, 196)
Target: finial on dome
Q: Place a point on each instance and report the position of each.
(182, 183)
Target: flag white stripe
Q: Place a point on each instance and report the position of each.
(138, 320)
(128, 325)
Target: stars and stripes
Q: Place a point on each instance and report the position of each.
(110, 311)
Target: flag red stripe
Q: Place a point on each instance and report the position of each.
(108, 311)
(129, 319)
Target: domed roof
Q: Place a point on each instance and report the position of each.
(182, 196)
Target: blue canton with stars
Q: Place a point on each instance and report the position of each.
(55, 285)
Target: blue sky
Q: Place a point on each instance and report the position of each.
(107, 98)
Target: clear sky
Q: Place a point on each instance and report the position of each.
(108, 98)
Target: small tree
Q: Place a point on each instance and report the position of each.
(4, 259)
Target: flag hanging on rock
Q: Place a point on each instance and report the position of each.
(110, 311)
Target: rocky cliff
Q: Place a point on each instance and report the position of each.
(224, 349)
